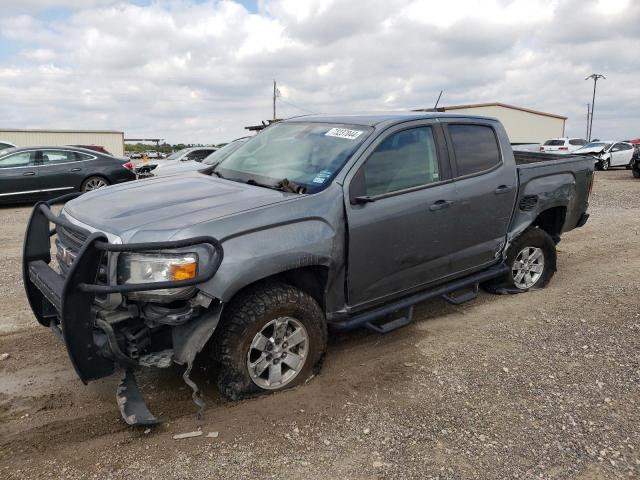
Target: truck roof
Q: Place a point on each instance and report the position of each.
(372, 119)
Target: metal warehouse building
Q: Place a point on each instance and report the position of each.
(111, 140)
(522, 124)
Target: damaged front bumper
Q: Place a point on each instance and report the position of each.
(100, 336)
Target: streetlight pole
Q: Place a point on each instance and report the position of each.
(588, 117)
(595, 77)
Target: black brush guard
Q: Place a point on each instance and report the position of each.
(67, 304)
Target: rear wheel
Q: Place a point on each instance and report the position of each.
(93, 183)
(636, 173)
(271, 337)
(531, 259)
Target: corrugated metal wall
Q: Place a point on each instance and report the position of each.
(521, 126)
(112, 141)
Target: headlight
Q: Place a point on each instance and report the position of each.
(157, 267)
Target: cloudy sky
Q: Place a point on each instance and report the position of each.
(199, 71)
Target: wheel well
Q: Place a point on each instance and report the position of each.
(552, 221)
(99, 175)
(311, 280)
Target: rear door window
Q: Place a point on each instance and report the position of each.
(475, 147)
(50, 157)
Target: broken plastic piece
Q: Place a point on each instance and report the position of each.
(197, 399)
(131, 404)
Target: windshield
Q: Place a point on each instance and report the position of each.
(309, 154)
(178, 154)
(595, 145)
(224, 152)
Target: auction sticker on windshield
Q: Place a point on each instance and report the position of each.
(343, 133)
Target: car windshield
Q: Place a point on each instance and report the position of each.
(178, 154)
(223, 152)
(309, 154)
(554, 143)
(595, 145)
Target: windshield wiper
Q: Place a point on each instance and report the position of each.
(284, 185)
(211, 169)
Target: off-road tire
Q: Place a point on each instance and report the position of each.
(532, 237)
(245, 316)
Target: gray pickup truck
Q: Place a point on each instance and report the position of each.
(318, 223)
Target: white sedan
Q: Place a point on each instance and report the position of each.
(608, 154)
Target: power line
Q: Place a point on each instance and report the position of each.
(296, 106)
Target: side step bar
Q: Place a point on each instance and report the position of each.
(369, 318)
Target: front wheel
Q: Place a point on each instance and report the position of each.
(604, 164)
(636, 173)
(271, 337)
(531, 258)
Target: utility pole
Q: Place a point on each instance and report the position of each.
(595, 77)
(438, 100)
(274, 100)
(588, 116)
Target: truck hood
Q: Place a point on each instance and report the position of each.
(167, 204)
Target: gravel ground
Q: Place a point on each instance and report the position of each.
(540, 385)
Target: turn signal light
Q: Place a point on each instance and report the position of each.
(183, 271)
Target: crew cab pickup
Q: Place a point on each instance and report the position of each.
(318, 223)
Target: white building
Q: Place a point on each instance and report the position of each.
(523, 125)
(112, 141)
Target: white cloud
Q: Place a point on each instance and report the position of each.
(199, 72)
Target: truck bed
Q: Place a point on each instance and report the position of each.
(546, 181)
(524, 157)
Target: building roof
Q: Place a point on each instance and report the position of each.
(53, 130)
(491, 104)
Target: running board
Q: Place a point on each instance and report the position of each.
(370, 317)
(470, 294)
(391, 323)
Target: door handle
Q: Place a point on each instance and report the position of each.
(75, 169)
(28, 174)
(440, 204)
(503, 189)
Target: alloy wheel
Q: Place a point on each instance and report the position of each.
(528, 267)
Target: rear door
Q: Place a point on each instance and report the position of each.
(400, 214)
(62, 170)
(486, 189)
(18, 177)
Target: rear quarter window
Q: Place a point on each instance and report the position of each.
(475, 147)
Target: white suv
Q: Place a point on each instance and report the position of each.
(562, 145)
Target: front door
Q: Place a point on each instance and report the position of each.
(621, 154)
(18, 177)
(400, 215)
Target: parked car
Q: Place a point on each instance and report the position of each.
(4, 145)
(635, 161)
(34, 173)
(196, 154)
(318, 222)
(196, 162)
(608, 153)
(135, 155)
(562, 145)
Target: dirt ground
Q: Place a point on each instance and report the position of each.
(540, 385)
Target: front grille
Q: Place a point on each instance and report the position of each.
(71, 239)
